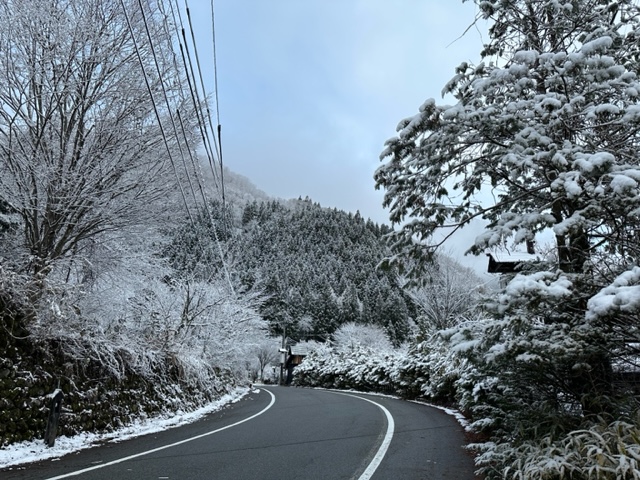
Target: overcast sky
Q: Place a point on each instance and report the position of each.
(309, 90)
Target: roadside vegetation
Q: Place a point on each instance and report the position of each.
(540, 142)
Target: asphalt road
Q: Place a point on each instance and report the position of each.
(278, 433)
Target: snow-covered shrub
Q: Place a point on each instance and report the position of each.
(535, 368)
(360, 369)
(427, 370)
(198, 326)
(445, 365)
(537, 379)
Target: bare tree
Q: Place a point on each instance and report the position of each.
(267, 354)
(352, 335)
(81, 148)
(447, 295)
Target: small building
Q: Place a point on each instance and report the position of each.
(295, 356)
(509, 262)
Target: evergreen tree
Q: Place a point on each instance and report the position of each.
(194, 250)
(549, 123)
(324, 255)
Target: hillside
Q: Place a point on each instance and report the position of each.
(316, 268)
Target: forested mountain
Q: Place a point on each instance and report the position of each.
(317, 268)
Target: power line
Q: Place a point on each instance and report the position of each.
(199, 117)
(166, 99)
(195, 98)
(193, 162)
(215, 72)
(195, 94)
(216, 96)
(195, 49)
(196, 103)
(215, 62)
(203, 129)
(195, 165)
(155, 108)
(210, 215)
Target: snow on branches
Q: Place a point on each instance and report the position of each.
(552, 132)
(542, 138)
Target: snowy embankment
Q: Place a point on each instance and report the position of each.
(33, 451)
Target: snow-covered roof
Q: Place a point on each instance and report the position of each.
(513, 257)
(501, 262)
(300, 349)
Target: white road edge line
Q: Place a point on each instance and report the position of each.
(382, 451)
(186, 440)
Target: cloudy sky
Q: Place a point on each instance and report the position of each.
(309, 90)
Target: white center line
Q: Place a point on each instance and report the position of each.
(186, 440)
(377, 459)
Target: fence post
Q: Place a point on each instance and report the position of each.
(54, 414)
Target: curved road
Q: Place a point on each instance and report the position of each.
(281, 432)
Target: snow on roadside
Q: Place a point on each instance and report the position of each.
(36, 450)
(462, 420)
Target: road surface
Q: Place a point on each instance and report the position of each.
(283, 432)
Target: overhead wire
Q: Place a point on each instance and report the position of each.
(215, 83)
(166, 99)
(195, 50)
(155, 107)
(215, 62)
(193, 88)
(196, 100)
(217, 143)
(205, 137)
(194, 164)
(164, 136)
(196, 168)
(186, 60)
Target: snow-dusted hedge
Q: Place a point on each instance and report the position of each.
(360, 369)
(428, 370)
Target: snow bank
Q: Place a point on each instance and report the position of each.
(34, 451)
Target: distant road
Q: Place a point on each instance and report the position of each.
(283, 433)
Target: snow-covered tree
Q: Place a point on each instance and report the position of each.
(548, 123)
(446, 296)
(266, 353)
(81, 149)
(351, 336)
(542, 138)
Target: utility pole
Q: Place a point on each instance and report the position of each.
(283, 353)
